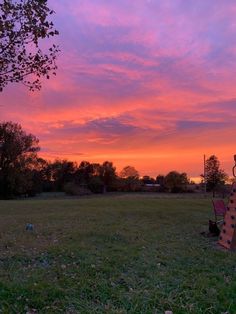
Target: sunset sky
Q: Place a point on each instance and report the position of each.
(147, 83)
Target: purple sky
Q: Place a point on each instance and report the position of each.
(147, 83)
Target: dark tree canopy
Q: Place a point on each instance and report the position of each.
(130, 179)
(215, 177)
(129, 172)
(107, 174)
(18, 159)
(84, 172)
(61, 172)
(176, 182)
(23, 24)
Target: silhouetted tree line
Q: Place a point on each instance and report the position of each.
(24, 173)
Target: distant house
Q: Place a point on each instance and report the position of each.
(195, 187)
(151, 187)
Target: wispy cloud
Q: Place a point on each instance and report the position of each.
(137, 80)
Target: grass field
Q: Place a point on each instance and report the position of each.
(113, 254)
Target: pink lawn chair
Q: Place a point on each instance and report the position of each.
(219, 209)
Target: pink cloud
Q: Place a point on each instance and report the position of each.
(139, 82)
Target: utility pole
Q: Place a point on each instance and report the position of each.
(204, 162)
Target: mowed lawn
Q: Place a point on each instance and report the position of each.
(113, 254)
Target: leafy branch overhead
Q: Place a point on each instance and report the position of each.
(23, 25)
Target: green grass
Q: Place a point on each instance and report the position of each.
(113, 254)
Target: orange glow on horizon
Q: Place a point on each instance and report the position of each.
(144, 83)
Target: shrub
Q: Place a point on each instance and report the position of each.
(96, 185)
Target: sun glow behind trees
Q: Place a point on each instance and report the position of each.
(145, 83)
